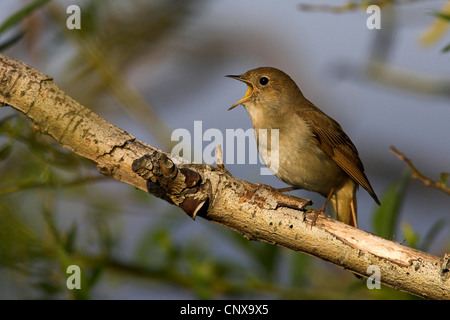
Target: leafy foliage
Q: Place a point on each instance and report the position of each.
(386, 216)
(21, 14)
(446, 17)
(17, 17)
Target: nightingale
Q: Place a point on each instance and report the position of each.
(313, 151)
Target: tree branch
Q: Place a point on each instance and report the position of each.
(439, 185)
(258, 213)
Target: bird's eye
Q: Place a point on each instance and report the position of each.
(263, 81)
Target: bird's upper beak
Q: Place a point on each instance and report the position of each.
(247, 94)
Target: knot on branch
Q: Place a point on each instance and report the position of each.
(177, 185)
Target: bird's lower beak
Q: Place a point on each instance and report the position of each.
(247, 94)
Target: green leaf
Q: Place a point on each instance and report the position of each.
(95, 274)
(203, 273)
(411, 236)
(21, 14)
(70, 238)
(386, 216)
(8, 124)
(263, 254)
(446, 48)
(443, 178)
(157, 249)
(432, 234)
(441, 15)
(5, 151)
(300, 268)
(11, 41)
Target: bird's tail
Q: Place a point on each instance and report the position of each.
(344, 204)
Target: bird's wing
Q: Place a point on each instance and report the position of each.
(337, 145)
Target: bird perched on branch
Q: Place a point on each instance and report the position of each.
(313, 151)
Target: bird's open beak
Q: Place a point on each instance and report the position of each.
(247, 94)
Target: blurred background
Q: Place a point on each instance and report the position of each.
(150, 67)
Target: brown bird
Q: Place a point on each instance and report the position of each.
(313, 152)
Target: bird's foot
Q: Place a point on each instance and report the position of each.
(322, 209)
(316, 214)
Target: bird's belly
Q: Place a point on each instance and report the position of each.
(305, 166)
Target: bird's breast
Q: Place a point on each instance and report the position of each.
(292, 154)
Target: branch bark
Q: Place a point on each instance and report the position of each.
(259, 213)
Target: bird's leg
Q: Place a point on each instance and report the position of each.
(322, 209)
(326, 201)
